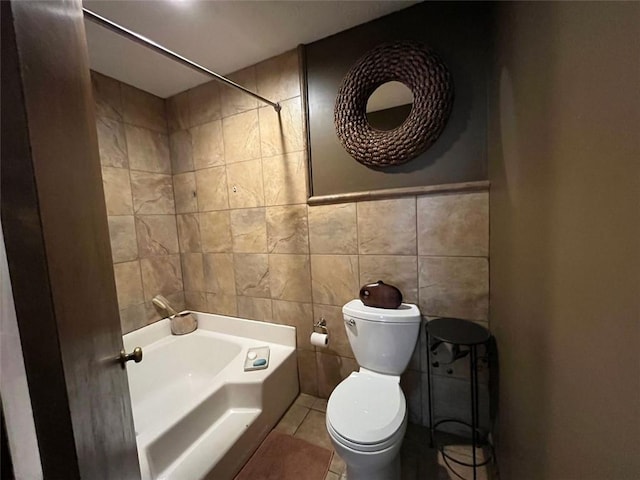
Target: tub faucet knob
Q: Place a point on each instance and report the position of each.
(136, 356)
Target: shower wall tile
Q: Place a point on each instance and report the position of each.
(112, 143)
(117, 191)
(192, 271)
(222, 304)
(241, 137)
(212, 189)
(143, 109)
(132, 318)
(215, 229)
(285, 179)
(454, 225)
(177, 109)
(189, 233)
(334, 278)
(296, 314)
(157, 235)
(136, 157)
(290, 277)
(181, 152)
(287, 230)
(249, 230)
(234, 101)
(387, 227)
(195, 301)
(107, 96)
(152, 193)
(207, 145)
(255, 308)
(219, 274)
(454, 287)
(338, 341)
(204, 103)
(282, 132)
(122, 233)
(397, 270)
(332, 229)
(307, 372)
(148, 150)
(161, 275)
(184, 190)
(245, 184)
(279, 77)
(332, 369)
(271, 231)
(252, 275)
(128, 283)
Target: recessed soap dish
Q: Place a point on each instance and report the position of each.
(257, 358)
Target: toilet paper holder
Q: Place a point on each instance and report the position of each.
(321, 324)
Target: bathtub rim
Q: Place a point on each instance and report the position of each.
(234, 326)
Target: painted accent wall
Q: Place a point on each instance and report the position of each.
(564, 164)
(459, 33)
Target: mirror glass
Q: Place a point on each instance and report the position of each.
(389, 106)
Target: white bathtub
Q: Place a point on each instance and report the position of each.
(197, 413)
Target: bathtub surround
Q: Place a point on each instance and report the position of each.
(141, 208)
(235, 208)
(251, 246)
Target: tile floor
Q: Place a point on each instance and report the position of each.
(306, 419)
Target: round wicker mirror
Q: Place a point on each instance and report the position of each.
(423, 72)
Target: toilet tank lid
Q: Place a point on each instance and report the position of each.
(405, 313)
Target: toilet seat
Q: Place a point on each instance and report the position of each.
(366, 411)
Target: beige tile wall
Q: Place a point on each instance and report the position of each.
(247, 236)
(138, 186)
(210, 210)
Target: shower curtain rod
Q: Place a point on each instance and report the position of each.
(120, 30)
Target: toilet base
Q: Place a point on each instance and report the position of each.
(391, 471)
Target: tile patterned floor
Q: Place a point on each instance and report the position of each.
(306, 419)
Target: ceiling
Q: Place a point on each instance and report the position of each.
(223, 36)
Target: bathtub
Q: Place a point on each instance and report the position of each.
(197, 413)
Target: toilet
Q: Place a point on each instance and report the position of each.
(367, 412)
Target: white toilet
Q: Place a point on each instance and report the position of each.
(367, 412)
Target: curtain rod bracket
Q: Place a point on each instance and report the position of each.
(144, 41)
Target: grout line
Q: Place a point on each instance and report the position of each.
(302, 421)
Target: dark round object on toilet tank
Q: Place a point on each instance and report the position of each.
(380, 295)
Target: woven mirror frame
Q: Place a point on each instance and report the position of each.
(422, 71)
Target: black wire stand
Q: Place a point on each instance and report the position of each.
(469, 336)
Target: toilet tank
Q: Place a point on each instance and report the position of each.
(382, 339)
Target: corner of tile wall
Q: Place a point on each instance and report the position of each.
(250, 246)
(135, 155)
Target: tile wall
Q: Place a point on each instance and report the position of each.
(233, 218)
(138, 188)
(251, 246)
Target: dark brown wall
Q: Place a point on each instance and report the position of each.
(564, 155)
(459, 33)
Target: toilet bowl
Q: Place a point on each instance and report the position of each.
(367, 412)
(366, 420)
